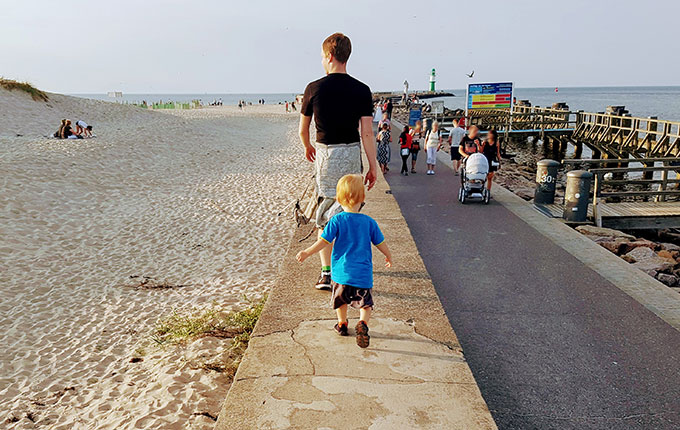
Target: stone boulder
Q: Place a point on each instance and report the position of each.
(617, 245)
(670, 247)
(525, 193)
(666, 279)
(641, 243)
(591, 230)
(668, 254)
(650, 262)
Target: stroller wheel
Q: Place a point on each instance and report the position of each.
(486, 195)
(462, 196)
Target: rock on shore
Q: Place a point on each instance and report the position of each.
(660, 260)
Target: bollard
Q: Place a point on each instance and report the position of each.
(577, 195)
(546, 178)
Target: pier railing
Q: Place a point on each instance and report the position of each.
(621, 135)
(524, 119)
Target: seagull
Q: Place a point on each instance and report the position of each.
(469, 75)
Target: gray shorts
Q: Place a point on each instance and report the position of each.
(332, 163)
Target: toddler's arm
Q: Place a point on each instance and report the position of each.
(386, 251)
(316, 247)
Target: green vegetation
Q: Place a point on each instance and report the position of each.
(180, 328)
(12, 85)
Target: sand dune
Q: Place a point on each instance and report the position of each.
(187, 197)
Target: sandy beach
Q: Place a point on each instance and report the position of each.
(187, 198)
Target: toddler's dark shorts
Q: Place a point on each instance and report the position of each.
(357, 298)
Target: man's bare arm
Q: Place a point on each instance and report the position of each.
(310, 151)
(367, 139)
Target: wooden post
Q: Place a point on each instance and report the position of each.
(663, 184)
(649, 144)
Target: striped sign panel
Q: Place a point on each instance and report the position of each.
(490, 96)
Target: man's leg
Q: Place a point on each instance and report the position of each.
(325, 254)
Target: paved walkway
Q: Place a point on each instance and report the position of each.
(551, 343)
(298, 374)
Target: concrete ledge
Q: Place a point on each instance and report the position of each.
(649, 292)
(297, 373)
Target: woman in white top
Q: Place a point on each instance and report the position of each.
(433, 142)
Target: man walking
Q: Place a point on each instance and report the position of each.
(342, 108)
(455, 137)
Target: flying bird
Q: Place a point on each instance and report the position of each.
(469, 75)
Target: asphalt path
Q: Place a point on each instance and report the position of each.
(551, 343)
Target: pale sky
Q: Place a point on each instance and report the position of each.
(253, 46)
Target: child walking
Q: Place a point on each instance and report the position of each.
(352, 257)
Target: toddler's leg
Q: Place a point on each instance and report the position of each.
(363, 338)
(342, 313)
(364, 314)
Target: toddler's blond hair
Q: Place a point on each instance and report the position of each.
(350, 190)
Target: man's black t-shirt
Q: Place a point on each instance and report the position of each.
(337, 101)
(470, 146)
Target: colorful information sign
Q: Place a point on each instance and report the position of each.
(490, 96)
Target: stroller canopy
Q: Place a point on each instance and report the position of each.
(477, 164)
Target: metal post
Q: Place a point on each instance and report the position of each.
(546, 178)
(596, 191)
(576, 195)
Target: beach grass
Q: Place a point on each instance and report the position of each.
(11, 85)
(179, 328)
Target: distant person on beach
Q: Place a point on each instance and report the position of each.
(292, 105)
(455, 137)
(350, 235)
(417, 143)
(240, 105)
(82, 129)
(492, 151)
(67, 131)
(433, 143)
(384, 139)
(287, 109)
(342, 108)
(59, 132)
(470, 143)
(405, 143)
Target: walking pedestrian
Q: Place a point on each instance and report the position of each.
(417, 142)
(492, 151)
(455, 137)
(337, 103)
(405, 142)
(433, 145)
(470, 143)
(383, 121)
(384, 138)
(352, 235)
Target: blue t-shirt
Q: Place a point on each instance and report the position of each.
(352, 258)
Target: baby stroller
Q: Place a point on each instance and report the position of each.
(473, 179)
